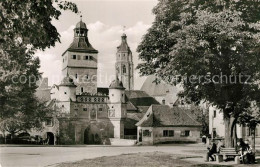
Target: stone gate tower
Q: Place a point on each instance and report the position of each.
(80, 61)
(117, 108)
(124, 64)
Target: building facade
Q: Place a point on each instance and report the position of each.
(86, 114)
(217, 127)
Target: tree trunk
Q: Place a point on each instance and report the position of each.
(228, 121)
(4, 137)
(234, 135)
(253, 139)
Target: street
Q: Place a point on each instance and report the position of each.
(51, 156)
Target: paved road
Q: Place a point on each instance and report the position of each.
(51, 156)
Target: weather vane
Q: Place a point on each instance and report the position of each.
(124, 28)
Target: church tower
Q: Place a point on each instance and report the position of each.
(79, 61)
(124, 64)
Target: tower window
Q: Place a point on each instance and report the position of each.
(215, 114)
(85, 57)
(65, 93)
(81, 89)
(124, 69)
(86, 77)
(63, 60)
(100, 109)
(76, 76)
(74, 57)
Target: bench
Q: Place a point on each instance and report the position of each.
(226, 153)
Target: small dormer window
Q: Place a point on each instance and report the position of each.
(74, 57)
(163, 101)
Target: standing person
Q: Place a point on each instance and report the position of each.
(212, 151)
(239, 149)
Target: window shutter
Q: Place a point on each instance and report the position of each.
(78, 57)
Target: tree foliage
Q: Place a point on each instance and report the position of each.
(214, 47)
(26, 26)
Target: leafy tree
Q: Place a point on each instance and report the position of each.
(211, 48)
(26, 26)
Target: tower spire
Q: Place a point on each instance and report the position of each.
(124, 27)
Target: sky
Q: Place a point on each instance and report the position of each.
(105, 20)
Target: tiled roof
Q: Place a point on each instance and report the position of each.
(81, 44)
(160, 89)
(43, 92)
(43, 95)
(123, 47)
(140, 98)
(130, 106)
(81, 25)
(104, 91)
(164, 116)
(67, 81)
(116, 84)
(143, 109)
(132, 119)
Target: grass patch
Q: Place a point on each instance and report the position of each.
(153, 159)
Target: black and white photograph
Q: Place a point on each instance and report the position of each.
(129, 83)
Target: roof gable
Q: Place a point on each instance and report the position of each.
(140, 98)
(164, 116)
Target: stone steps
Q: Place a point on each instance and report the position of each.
(122, 142)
